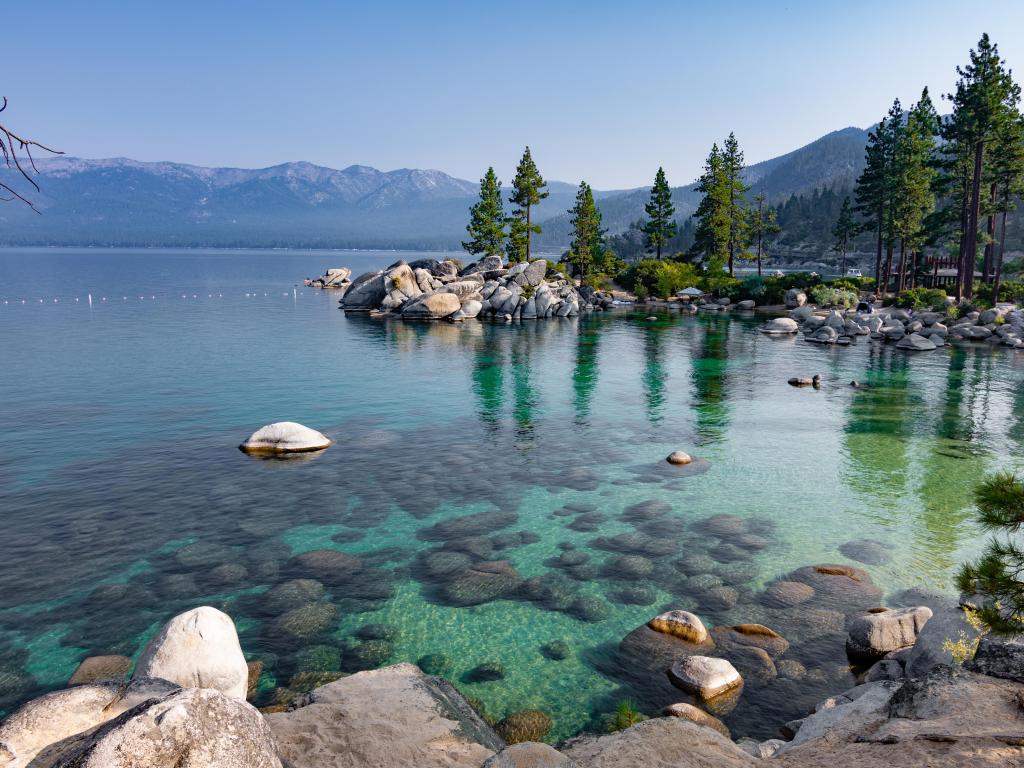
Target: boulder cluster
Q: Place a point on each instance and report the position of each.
(907, 329)
(429, 289)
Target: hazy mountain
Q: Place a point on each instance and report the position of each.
(126, 202)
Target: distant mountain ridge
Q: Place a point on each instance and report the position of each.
(120, 201)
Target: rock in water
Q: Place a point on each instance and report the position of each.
(696, 715)
(524, 726)
(197, 649)
(882, 631)
(395, 716)
(192, 728)
(780, 325)
(704, 676)
(284, 437)
(97, 668)
(915, 343)
(678, 457)
(681, 624)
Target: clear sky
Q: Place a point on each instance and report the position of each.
(605, 91)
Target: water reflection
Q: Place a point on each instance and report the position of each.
(709, 365)
(585, 370)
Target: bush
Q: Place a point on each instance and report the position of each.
(625, 715)
(846, 284)
(753, 287)
(921, 299)
(650, 277)
(826, 296)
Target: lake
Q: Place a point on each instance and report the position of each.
(538, 447)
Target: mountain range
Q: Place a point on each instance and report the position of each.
(130, 203)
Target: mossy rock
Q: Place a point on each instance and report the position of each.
(304, 682)
(589, 609)
(487, 672)
(376, 632)
(292, 594)
(556, 650)
(318, 658)
(525, 725)
(438, 664)
(305, 622)
(368, 654)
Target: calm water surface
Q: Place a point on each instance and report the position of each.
(539, 446)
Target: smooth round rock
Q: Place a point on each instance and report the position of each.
(696, 715)
(681, 624)
(678, 457)
(285, 437)
(704, 676)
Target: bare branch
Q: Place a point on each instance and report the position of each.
(10, 146)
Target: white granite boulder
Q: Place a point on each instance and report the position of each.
(681, 624)
(197, 649)
(915, 342)
(285, 437)
(780, 325)
(705, 676)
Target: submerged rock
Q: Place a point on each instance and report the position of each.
(98, 668)
(285, 437)
(704, 676)
(197, 649)
(525, 725)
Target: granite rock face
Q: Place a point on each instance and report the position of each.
(394, 716)
(285, 437)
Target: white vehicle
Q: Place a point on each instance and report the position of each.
(851, 272)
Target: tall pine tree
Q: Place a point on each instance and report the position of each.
(527, 191)
(875, 189)
(586, 224)
(846, 229)
(732, 165)
(985, 94)
(763, 224)
(486, 226)
(1007, 175)
(660, 226)
(714, 226)
(913, 197)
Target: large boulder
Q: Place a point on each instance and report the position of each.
(883, 631)
(780, 325)
(533, 273)
(366, 293)
(197, 649)
(795, 298)
(1000, 656)
(191, 728)
(665, 742)
(482, 583)
(395, 716)
(681, 624)
(696, 715)
(486, 264)
(529, 754)
(934, 644)
(285, 437)
(58, 716)
(704, 676)
(432, 306)
(915, 342)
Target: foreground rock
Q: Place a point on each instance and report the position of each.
(395, 716)
(189, 728)
(666, 742)
(197, 649)
(284, 437)
(529, 754)
(883, 631)
(55, 717)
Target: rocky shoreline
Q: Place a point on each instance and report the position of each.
(429, 289)
(915, 702)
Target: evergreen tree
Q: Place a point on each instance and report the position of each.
(487, 219)
(660, 227)
(914, 171)
(714, 226)
(732, 162)
(985, 96)
(527, 191)
(875, 189)
(763, 224)
(845, 229)
(1008, 181)
(586, 224)
(997, 573)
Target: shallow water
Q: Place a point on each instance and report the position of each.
(125, 500)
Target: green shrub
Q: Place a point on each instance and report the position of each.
(753, 287)
(921, 299)
(826, 296)
(660, 278)
(625, 716)
(845, 284)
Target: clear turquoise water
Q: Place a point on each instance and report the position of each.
(121, 423)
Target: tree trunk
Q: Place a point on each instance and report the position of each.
(528, 232)
(888, 266)
(903, 267)
(962, 248)
(999, 260)
(990, 246)
(758, 254)
(842, 263)
(972, 221)
(878, 259)
(913, 268)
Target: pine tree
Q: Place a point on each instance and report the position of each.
(985, 94)
(845, 229)
(487, 219)
(714, 227)
(660, 227)
(732, 162)
(763, 224)
(586, 223)
(913, 197)
(996, 574)
(875, 189)
(1008, 179)
(527, 191)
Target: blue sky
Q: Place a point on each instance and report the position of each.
(602, 91)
